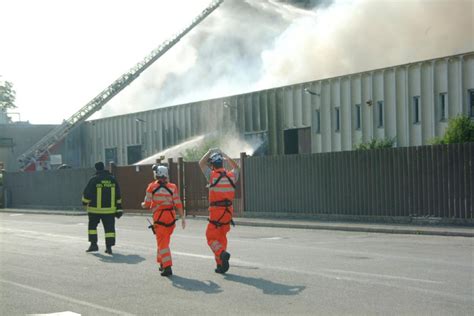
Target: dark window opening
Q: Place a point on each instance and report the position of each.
(443, 106)
(416, 109)
(297, 141)
(357, 117)
(317, 121)
(380, 113)
(110, 155)
(134, 154)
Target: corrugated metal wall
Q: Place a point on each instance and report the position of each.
(412, 181)
(55, 189)
(275, 110)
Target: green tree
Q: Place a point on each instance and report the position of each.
(7, 96)
(376, 143)
(460, 130)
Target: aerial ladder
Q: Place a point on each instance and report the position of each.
(40, 150)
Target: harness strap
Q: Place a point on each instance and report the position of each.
(162, 186)
(161, 213)
(221, 175)
(164, 224)
(225, 203)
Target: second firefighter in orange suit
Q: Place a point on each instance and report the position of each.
(221, 196)
(162, 197)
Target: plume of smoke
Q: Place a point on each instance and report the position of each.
(350, 37)
(247, 45)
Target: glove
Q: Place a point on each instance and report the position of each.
(119, 214)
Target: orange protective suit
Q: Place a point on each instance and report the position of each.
(162, 198)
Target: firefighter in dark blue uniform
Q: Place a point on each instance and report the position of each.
(103, 201)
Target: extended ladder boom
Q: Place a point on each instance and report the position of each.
(59, 132)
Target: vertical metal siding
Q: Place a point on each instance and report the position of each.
(416, 181)
(278, 109)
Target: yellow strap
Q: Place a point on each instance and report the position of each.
(92, 232)
(108, 235)
(112, 197)
(96, 210)
(99, 197)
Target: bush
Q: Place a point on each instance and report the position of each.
(376, 144)
(460, 130)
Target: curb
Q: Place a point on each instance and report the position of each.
(244, 222)
(44, 212)
(360, 229)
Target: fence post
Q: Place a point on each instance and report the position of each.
(243, 155)
(170, 170)
(181, 179)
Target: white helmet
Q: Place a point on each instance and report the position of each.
(160, 171)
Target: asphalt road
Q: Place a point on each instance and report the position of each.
(44, 269)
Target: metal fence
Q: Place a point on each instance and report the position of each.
(196, 192)
(134, 180)
(435, 181)
(55, 189)
(410, 181)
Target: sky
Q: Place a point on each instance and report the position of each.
(60, 54)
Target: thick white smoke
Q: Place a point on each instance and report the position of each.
(247, 45)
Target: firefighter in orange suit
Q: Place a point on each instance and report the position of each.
(221, 195)
(162, 197)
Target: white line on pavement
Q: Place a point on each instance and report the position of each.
(383, 276)
(66, 298)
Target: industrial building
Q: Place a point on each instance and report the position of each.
(410, 103)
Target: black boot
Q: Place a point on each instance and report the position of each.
(109, 250)
(166, 272)
(219, 269)
(93, 247)
(225, 256)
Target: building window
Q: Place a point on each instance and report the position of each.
(357, 116)
(471, 103)
(134, 154)
(317, 121)
(380, 113)
(337, 119)
(443, 106)
(416, 109)
(111, 155)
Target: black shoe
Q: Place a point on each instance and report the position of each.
(166, 272)
(219, 269)
(109, 250)
(93, 247)
(225, 256)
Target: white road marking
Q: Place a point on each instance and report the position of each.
(66, 298)
(16, 215)
(66, 313)
(271, 238)
(383, 276)
(187, 254)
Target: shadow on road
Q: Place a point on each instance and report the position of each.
(119, 258)
(268, 287)
(186, 284)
